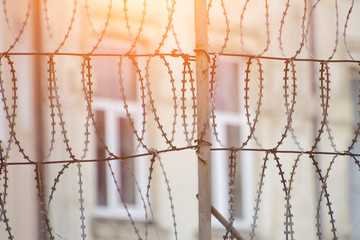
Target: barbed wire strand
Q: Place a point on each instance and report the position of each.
(24, 24)
(346, 28)
(188, 97)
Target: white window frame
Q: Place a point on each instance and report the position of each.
(113, 110)
(220, 171)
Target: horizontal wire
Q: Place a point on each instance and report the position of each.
(75, 160)
(191, 57)
(270, 150)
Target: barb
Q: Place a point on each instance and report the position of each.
(170, 196)
(288, 213)
(59, 107)
(259, 102)
(12, 116)
(187, 70)
(140, 138)
(151, 170)
(108, 16)
(87, 83)
(140, 30)
(24, 24)
(346, 28)
(337, 30)
(357, 132)
(44, 219)
(258, 197)
(152, 103)
(242, 25)
(232, 176)
(13, 93)
(213, 93)
(47, 18)
(69, 28)
(267, 24)
(328, 203)
(122, 197)
(3, 212)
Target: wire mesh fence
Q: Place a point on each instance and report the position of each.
(117, 92)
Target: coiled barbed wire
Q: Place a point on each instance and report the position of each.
(24, 24)
(10, 93)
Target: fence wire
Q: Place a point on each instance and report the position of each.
(277, 39)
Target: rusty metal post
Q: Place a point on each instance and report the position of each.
(38, 102)
(203, 129)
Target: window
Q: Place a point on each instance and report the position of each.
(114, 128)
(354, 173)
(231, 126)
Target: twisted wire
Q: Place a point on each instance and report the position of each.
(324, 106)
(151, 170)
(87, 83)
(288, 214)
(213, 93)
(171, 12)
(47, 18)
(66, 140)
(282, 22)
(357, 131)
(140, 138)
(187, 97)
(122, 197)
(345, 29)
(140, 30)
(325, 103)
(126, 17)
(108, 16)
(90, 22)
(267, 24)
(170, 196)
(3, 212)
(153, 108)
(187, 70)
(44, 219)
(324, 191)
(12, 116)
(309, 25)
(302, 43)
(231, 184)
(337, 30)
(24, 24)
(258, 196)
(72, 20)
(242, 25)
(252, 127)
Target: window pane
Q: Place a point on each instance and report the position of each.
(227, 92)
(100, 154)
(233, 140)
(127, 167)
(107, 77)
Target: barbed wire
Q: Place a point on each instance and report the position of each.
(178, 70)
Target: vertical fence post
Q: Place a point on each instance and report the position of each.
(38, 98)
(203, 129)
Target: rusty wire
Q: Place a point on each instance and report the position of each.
(183, 95)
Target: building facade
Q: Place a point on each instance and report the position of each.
(118, 118)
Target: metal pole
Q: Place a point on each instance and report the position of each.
(203, 129)
(38, 98)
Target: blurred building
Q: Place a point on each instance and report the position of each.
(112, 195)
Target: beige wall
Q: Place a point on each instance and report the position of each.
(181, 166)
